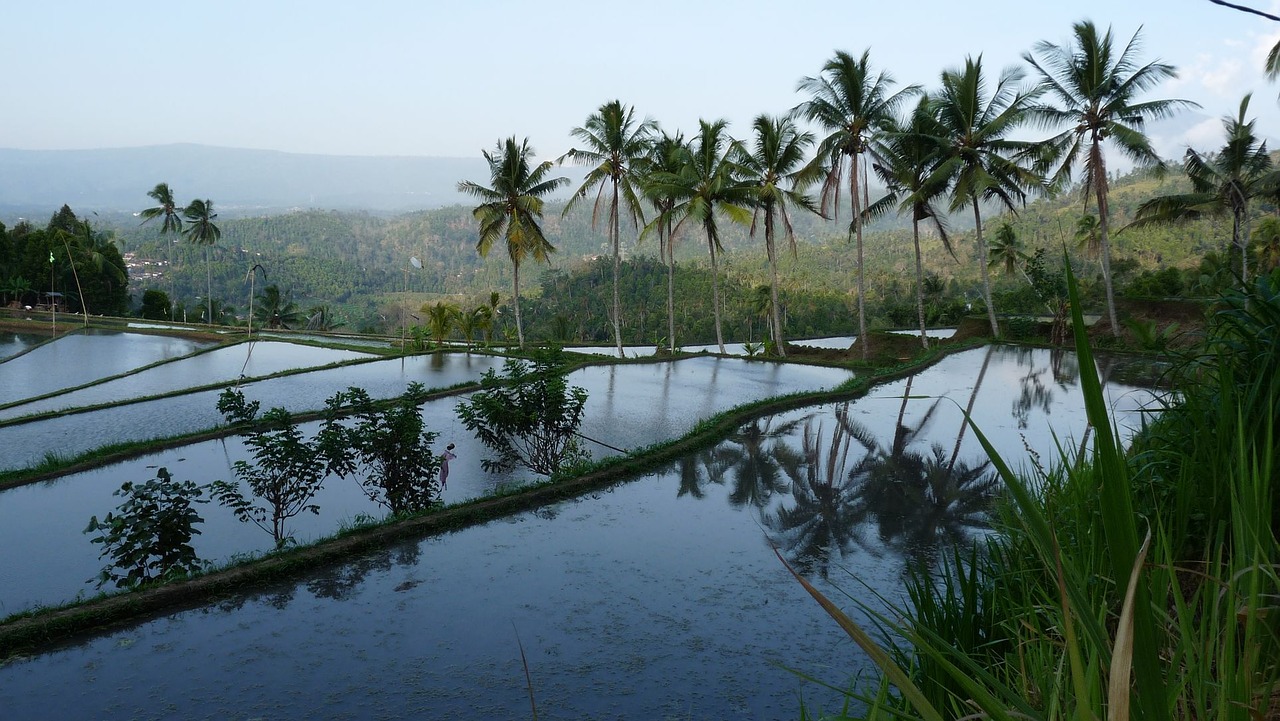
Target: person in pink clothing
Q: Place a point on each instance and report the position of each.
(444, 466)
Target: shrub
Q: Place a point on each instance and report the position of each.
(148, 538)
(528, 416)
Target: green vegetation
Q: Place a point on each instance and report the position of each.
(286, 473)
(148, 538)
(1127, 585)
(528, 416)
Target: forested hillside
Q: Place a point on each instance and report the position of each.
(358, 265)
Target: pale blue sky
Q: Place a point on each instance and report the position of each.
(385, 77)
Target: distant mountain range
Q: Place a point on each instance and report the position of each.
(238, 180)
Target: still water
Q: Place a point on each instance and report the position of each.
(83, 357)
(628, 406)
(659, 598)
(221, 365)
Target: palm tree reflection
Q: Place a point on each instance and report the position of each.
(919, 501)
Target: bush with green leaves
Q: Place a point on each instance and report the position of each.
(287, 470)
(528, 416)
(390, 449)
(148, 537)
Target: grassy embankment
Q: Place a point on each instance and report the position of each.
(1125, 585)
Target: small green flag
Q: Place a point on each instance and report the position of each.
(51, 257)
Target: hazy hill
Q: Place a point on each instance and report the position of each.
(236, 179)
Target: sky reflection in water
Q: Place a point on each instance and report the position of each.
(659, 597)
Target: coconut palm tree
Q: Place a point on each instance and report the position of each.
(616, 144)
(202, 231)
(171, 220)
(666, 154)
(980, 159)
(1006, 250)
(707, 184)
(1224, 183)
(1095, 94)
(511, 208)
(441, 317)
(775, 167)
(275, 309)
(852, 104)
(1086, 235)
(908, 157)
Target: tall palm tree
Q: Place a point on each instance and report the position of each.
(666, 155)
(202, 231)
(852, 104)
(979, 157)
(171, 220)
(708, 183)
(908, 158)
(615, 143)
(1095, 94)
(1224, 183)
(775, 167)
(511, 208)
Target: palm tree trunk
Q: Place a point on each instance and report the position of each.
(773, 287)
(1104, 239)
(617, 270)
(1240, 236)
(915, 237)
(968, 411)
(671, 286)
(715, 290)
(986, 275)
(515, 283)
(208, 274)
(863, 339)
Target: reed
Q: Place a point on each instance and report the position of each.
(1123, 585)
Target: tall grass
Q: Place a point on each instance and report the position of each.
(1138, 585)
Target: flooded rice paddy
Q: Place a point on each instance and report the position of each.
(658, 598)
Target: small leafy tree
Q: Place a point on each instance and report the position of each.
(155, 305)
(148, 538)
(528, 416)
(391, 446)
(287, 471)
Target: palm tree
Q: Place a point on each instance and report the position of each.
(171, 220)
(275, 309)
(1221, 184)
(1006, 251)
(202, 231)
(708, 182)
(441, 317)
(615, 145)
(1086, 235)
(511, 208)
(980, 158)
(777, 158)
(1096, 93)
(322, 318)
(908, 157)
(666, 154)
(853, 105)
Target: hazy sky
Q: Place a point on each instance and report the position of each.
(385, 77)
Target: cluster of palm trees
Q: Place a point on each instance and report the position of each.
(935, 152)
(199, 229)
(443, 317)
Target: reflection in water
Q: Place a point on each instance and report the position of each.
(823, 520)
(633, 603)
